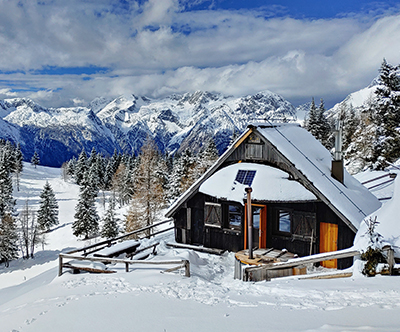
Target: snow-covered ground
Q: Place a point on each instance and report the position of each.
(34, 298)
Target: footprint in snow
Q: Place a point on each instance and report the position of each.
(29, 321)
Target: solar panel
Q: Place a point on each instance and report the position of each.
(245, 177)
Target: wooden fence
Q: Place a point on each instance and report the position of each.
(108, 243)
(181, 263)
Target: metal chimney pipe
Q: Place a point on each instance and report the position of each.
(338, 141)
(337, 170)
(249, 222)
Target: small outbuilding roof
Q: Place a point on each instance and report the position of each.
(388, 223)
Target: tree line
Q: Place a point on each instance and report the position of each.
(21, 232)
(147, 183)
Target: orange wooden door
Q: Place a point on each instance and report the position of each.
(328, 242)
(259, 227)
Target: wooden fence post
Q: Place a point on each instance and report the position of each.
(187, 268)
(390, 259)
(60, 265)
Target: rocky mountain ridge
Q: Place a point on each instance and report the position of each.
(176, 122)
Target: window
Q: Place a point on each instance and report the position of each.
(284, 221)
(254, 151)
(235, 217)
(245, 177)
(212, 214)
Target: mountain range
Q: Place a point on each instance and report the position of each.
(176, 122)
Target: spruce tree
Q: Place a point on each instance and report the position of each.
(387, 116)
(8, 239)
(7, 201)
(92, 158)
(47, 215)
(206, 158)
(110, 227)
(35, 159)
(71, 167)
(81, 167)
(86, 221)
(318, 124)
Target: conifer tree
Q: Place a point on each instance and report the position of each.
(92, 158)
(7, 201)
(110, 227)
(206, 158)
(35, 159)
(71, 167)
(86, 221)
(81, 167)
(47, 215)
(8, 239)
(318, 125)
(18, 164)
(387, 116)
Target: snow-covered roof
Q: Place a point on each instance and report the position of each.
(311, 158)
(269, 184)
(389, 225)
(352, 202)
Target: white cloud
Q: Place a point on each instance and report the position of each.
(234, 52)
(7, 93)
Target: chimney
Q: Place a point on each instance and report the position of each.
(249, 222)
(337, 170)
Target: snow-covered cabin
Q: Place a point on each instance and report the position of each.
(297, 204)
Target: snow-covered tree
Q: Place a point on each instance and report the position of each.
(35, 160)
(318, 124)
(47, 214)
(7, 201)
(81, 167)
(359, 153)
(110, 227)
(86, 221)
(387, 116)
(71, 167)
(8, 239)
(206, 158)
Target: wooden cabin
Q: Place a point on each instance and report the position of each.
(302, 200)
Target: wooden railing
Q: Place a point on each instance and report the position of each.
(182, 263)
(107, 243)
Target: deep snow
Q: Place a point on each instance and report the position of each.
(34, 298)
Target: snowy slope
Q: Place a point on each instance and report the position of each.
(33, 298)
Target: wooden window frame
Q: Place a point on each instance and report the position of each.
(206, 216)
(278, 212)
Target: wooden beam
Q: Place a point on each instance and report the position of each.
(243, 138)
(197, 248)
(308, 259)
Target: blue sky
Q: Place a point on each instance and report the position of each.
(64, 53)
